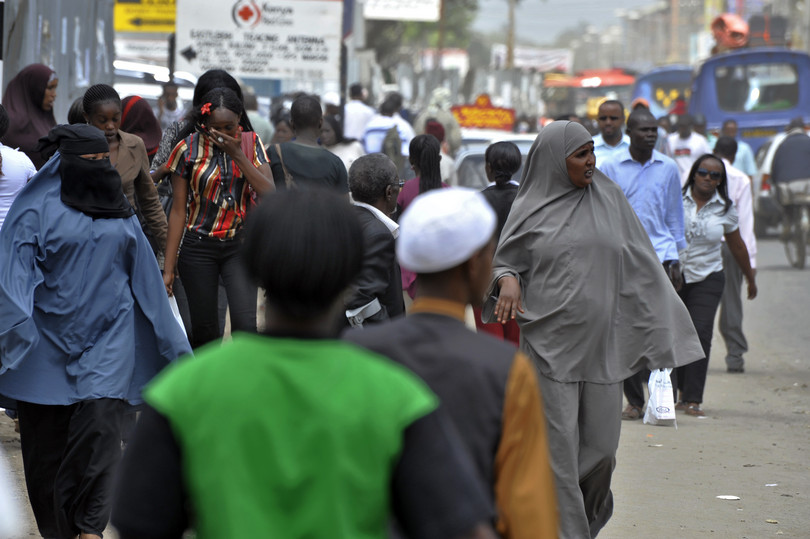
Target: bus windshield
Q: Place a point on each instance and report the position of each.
(757, 87)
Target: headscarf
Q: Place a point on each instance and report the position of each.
(599, 306)
(138, 118)
(91, 186)
(23, 101)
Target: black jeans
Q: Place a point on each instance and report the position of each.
(701, 300)
(201, 264)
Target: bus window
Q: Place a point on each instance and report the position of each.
(757, 87)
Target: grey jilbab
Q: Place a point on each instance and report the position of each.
(598, 307)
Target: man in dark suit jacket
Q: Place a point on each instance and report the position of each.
(376, 294)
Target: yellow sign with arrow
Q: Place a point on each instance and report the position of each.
(145, 16)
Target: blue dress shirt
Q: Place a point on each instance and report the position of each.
(654, 192)
(603, 151)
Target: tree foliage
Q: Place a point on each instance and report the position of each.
(394, 39)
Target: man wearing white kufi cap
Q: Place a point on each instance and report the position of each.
(488, 388)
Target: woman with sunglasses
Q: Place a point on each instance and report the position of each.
(709, 216)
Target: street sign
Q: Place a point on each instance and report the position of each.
(153, 16)
(403, 10)
(274, 39)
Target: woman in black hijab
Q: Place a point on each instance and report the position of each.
(84, 324)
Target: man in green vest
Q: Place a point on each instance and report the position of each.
(295, 433)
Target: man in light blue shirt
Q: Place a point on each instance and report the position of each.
(745, 155)
(652, 184)
(610, 139)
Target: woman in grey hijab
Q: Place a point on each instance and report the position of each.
(576, 269)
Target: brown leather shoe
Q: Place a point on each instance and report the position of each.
(693, 409)
(632, 413)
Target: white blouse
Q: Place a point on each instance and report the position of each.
(704, 230)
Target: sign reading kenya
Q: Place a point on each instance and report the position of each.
(278, 39)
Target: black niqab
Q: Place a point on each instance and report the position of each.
(91, 186)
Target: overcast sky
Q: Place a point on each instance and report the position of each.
(539, 21)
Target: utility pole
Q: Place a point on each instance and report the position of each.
(510, 37)
(437, 58)
(674, 22)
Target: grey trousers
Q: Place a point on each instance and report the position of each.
(731, 312)
(584, 422)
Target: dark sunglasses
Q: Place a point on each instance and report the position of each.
(714, 175)
(603, 118)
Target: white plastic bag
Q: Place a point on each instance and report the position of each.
(661, 407)
(176, 313)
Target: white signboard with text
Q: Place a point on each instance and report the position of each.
(278, 39)
(402, 10)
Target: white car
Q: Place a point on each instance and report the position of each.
(470, 157)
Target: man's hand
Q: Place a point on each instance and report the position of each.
(673, 268)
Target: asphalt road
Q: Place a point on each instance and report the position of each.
(753, 443)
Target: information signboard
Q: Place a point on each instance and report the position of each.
(402, 10)
(154, 16)
(278, 39)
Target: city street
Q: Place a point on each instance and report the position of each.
(753, 443)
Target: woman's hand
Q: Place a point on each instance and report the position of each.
(508, 299)
(228, 144)
(168, 282)
(260, 178)
(752, 287)
(159, 173)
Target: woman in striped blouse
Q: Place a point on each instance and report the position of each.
(217, 174)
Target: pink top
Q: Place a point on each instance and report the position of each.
(409, 192)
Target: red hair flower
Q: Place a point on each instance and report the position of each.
(206, 109)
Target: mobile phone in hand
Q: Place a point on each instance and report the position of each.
(201, 128)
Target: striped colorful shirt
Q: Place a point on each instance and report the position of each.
(219, 194)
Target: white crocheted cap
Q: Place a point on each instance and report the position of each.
(443, 228)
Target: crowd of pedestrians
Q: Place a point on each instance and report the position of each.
(365, 403)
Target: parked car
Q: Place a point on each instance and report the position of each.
(470, 157)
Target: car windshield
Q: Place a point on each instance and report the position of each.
(471, 172)
(757, 87)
